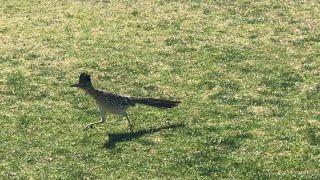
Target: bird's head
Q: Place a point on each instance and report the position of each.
(84, 82)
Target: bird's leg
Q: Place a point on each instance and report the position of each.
(102, 119)
(129, 123)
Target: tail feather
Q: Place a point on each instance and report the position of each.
(159, 103)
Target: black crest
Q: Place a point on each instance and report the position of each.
(85, 81)
(84, 78)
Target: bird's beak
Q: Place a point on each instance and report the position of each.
(74, 85)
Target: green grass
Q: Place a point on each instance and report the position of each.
(247, 74)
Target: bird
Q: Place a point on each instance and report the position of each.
(116, 104)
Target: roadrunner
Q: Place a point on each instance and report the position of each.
(116, 104)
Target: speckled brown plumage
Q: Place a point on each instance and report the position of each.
(116, 104)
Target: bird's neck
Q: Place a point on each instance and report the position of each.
(88, 89)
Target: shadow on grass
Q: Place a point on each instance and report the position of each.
(114, 138)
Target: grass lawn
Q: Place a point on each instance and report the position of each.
(247, 73)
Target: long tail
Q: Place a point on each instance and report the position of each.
(159, 103)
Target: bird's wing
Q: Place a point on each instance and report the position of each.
(118, 101)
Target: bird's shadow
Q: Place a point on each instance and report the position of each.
(114, 138)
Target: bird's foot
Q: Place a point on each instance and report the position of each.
(130, 129)
(89, 126)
